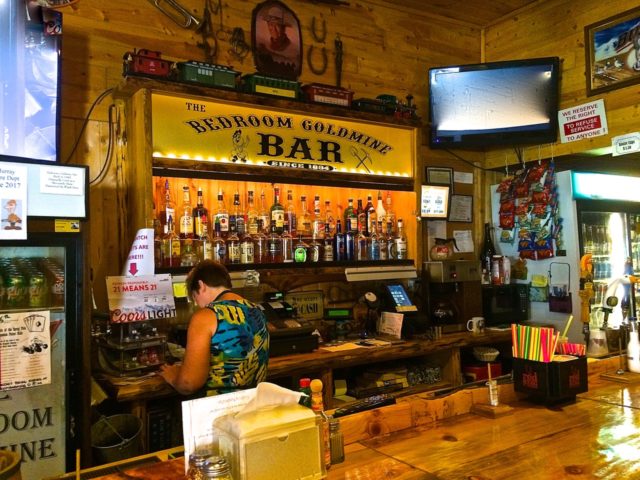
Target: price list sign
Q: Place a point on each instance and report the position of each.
(13, 201)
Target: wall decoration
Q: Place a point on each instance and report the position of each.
(277, 40)
(612, 48)
(439, 176)
(461, 209)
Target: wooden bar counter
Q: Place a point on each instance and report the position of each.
(595, 437)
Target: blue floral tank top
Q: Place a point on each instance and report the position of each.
(239, 348)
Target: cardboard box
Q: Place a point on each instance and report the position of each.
(551, 382)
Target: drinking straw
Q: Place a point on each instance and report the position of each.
(566, 327)
(489, 370)
(78, 464)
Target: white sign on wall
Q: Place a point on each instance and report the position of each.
(583, 121)
(625, 144)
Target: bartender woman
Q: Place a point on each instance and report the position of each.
(227, 339)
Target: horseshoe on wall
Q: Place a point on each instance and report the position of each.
(321, 70)
(319, 37)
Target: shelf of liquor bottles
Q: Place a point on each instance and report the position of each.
(265, 224)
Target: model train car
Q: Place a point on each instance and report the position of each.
(150, 64)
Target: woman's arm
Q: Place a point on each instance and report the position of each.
(192, 374)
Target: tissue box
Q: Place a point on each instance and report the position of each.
(280, 443)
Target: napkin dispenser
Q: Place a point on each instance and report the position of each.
(275, 443)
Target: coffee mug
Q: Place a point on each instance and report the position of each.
(476, 324)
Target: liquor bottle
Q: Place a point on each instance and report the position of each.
(236, 218)
(381, 213)
(373, 246)
(370, 217)
(400, 242)
(247, 251)
(168, 208)
(390, 215)
(219, 246)
(350, 218)
(157, 246)
(264, 215)
(290, 214)
(317, 224)
(361, 244)
(287, 244)
(277, 213)
(382, 240)
(188, 258)
(274, 248)
(329, 219)
(338, 243)
(222, 215)
(233, 247)
(200, 215)
(171, 246)
(486, 254)
(300, 250)
(350, 245)
(305, 387)
(317, 405)
(252, 214)
(327, 245)
(362, 217)
(313, 252)
(390, 242)
(205, 244)
(260, 251)
(304, 219)
(186, 214)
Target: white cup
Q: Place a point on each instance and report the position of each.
(476, 325)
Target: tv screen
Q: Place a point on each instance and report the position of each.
(502, 103)
(29, 86)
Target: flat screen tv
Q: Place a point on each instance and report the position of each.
(29, 80)
(505, 103)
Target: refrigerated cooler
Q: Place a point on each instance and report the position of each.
(45, 376)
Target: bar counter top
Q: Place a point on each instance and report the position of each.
(594, 437)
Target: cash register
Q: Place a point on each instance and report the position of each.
(287, 335)
(397, 300)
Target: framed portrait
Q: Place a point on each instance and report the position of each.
(276, 40)
(461, 208)
(439, 176)
(612, 48)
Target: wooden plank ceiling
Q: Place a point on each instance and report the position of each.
(475, 12)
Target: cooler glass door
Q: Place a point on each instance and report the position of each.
(605, 236)
(33, 324)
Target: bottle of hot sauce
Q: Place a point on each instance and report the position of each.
(317, 405)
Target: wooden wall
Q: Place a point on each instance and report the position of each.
(556, 28)
(385, 51)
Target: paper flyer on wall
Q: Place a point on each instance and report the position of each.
(138, 299)
(13, 201)
(25, 350)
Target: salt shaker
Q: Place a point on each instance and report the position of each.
(218, 468)
(336, 441)
(196, 462)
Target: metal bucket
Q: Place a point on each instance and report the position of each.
(116, 438)
(10, 465)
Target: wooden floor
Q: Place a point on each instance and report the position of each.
(597, 437)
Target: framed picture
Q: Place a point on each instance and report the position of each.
(439, 176)
(612, 48)
(277, 40)
(461, 208)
